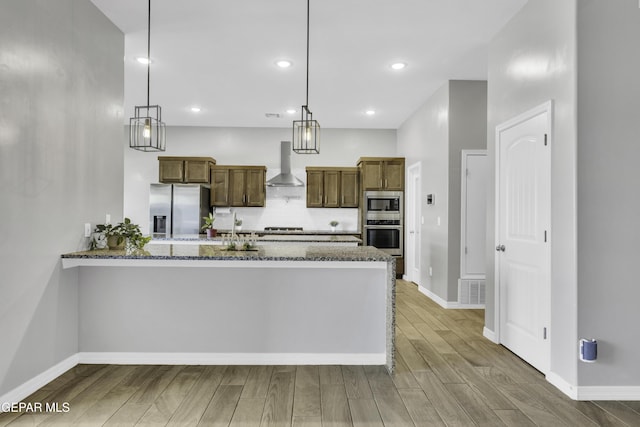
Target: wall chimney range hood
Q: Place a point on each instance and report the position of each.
(285, 178)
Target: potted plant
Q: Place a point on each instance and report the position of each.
(238, 224)
(123, 235)
(333, 225)
(208, 225)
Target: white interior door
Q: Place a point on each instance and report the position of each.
(473, 214)
(523, 235)
(414, 220)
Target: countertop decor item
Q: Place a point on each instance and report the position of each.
(334, 225)
(123, 235)
(208, 225)
(147, 130)
(306, 131)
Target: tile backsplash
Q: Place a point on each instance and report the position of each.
(287, 207)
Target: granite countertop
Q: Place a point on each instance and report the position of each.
(279, 237)
(260, 253)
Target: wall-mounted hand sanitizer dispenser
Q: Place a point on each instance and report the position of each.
(588, 350)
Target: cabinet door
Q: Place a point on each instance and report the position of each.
(371, 175)
(196, 171)
(331, 189)
(350, 194)
(315, 184)
(237, 187)
(394, 175)
(171, 171)
(255, 190)
(219, 187)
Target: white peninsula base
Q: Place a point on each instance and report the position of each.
(249, 311)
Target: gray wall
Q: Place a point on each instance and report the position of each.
(424, 138)
(608, 177)
(533, 60)
(61, 80)
(454, 118)
(467, 131)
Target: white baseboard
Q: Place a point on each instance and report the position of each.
(490, 335)
(442, 303)
(594, 392)
(233, 358)
(609, 393)
(34, 384)
(562, 385)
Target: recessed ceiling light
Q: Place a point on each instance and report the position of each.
(291, 111)
(195, 109)
(284, 63)
(398, 65)
(143, 60)
(370, 112)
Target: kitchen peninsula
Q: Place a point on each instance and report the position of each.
(202, 304)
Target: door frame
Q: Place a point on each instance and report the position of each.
(413, 205)
(546, 107)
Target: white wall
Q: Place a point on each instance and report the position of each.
(608, 177)
(61, 80)
(257, 146)
(453, 119)
(533, 60)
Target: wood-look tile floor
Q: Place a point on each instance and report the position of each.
(447, 375)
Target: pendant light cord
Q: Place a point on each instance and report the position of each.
(307, 101)
(148, 51)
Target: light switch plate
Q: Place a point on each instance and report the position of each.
(87, 229)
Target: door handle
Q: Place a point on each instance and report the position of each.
(500, 248)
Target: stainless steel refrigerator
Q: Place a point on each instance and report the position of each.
(176, 209)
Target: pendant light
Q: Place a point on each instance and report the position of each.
(306, 131)
(146, 129)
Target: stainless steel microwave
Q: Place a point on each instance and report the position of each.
(383, 205)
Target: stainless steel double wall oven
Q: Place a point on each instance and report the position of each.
(383, 221)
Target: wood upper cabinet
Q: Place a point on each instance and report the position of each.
(238, 186)
(219, 186)
(189, 170)
(332, 187)
(315, 188)
(382, 173)
(350, 188)
(256, 186)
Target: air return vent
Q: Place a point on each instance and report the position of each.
(471, 292)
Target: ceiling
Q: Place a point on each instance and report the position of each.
(220, 56)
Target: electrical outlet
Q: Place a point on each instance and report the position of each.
(438, 221)
(430, 271)
(107, 219)
(87, 229)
